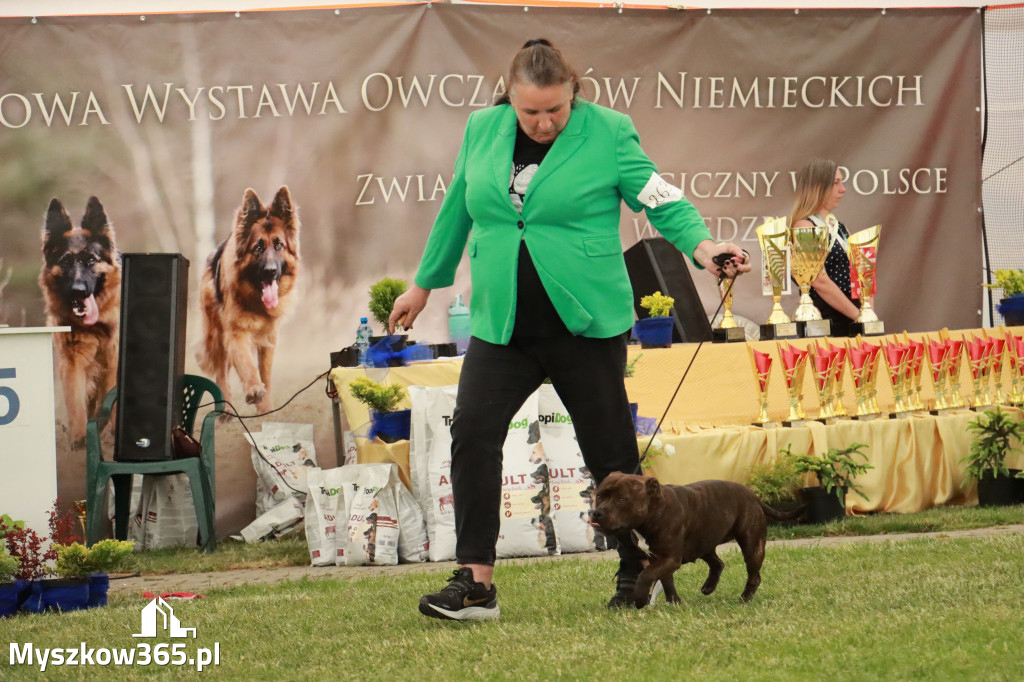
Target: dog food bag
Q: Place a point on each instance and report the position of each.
(322, 515)
(168, 513)
(571, 484)
(430, 460)
(525, 528)
(413, 545)
(372, 517)
(282, 453)
(285, 518)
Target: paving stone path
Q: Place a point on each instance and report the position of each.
(199, 583)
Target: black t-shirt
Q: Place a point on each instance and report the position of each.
(535, 314)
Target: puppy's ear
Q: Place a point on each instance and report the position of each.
(249, 212)
(652, 487)
(95, 222)
(287, 211)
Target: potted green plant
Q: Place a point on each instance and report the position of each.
(1011, 306)
(12, 589)
(834, 472)
(386, 422)
(996, 435)
(777, 483)
(655, 331)
(77, 564)
(382, 301)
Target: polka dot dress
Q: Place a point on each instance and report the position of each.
(837, 267)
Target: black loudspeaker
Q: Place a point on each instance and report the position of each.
(151, 361)
(657, 265)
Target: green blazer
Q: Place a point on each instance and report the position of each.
(570, 221)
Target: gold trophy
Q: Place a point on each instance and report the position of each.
(863, 365)
(727, 330)
(773, 238)
(915, 366)
(938, 365)
(995, 370)
(954, 355)
(1015, 356)
(809, 246)
(762, 365)
(822, 363)
(864, 255)
(838, 364)
(897, 357)
(977, 357)
(793, 366)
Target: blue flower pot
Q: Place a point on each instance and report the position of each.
(654, 332)
(57, 595)
(99, 584)
(12, 595)
(1012, 310)
(390, 426)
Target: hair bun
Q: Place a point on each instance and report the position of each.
(537, 41)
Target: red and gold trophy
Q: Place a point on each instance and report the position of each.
(863, 364)
(840, 355)
(821, 361)
(864, 283)
(1015, 355)
(977, 357)
(995, 369)
(915, 367)
(897, 357)
(938, 364)
(954, 356)
(794, 362)
(762, 365)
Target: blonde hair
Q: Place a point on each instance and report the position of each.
(813, 185)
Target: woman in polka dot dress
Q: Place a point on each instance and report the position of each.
(819, 189)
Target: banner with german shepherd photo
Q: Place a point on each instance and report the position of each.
(296, 157)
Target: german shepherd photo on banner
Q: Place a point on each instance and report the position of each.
(246, 291)
(81, 284)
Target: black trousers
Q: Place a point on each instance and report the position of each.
(495, 380)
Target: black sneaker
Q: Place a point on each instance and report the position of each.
(462, 599)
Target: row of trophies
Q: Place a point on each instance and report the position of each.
(800, 252)
(905, 361)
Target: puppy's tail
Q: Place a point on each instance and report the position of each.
(789, 515)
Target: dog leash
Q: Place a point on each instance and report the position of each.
(643, 455)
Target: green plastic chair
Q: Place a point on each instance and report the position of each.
(200, 469)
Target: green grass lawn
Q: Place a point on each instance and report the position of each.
(929, 608)
(292, 551)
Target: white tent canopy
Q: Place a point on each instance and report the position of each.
(32, 8)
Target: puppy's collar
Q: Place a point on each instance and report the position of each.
(641, 543)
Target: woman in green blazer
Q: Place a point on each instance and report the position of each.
(536, 199)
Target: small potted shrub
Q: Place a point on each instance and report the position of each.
(382, 301)
(834, 471)
(78, 564)
(655, 331)
(777, 483)
(1011, 306)
(996, 435)
(12, 589)
(386, 422)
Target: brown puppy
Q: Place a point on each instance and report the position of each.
(683, 523)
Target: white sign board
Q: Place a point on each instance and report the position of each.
(28, 446)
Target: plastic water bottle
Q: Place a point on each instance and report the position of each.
(458, 324)
(363, 334)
